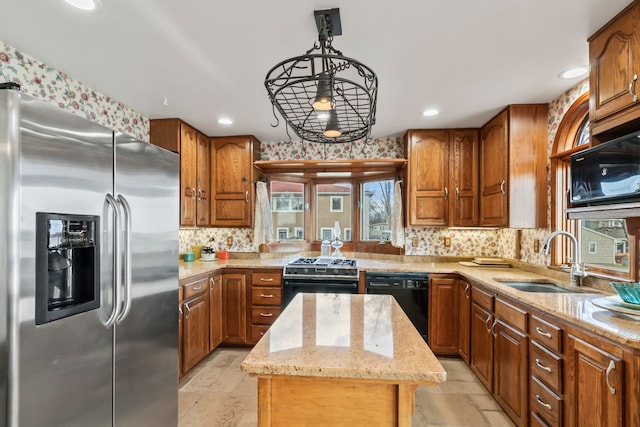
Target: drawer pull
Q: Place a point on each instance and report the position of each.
(493, 328)
(266, 314)
(541, 366)
(197, 288)
(543, 333)
(266, 279)
(486, 324)
(467, 293)
(266, 296)
(543, 403)
(611, 367)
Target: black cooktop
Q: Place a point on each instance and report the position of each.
(323, 266)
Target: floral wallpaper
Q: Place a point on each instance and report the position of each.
(44, 82)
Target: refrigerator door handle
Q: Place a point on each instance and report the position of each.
(126, 264)
(116, 261)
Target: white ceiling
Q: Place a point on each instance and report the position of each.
(467, 58)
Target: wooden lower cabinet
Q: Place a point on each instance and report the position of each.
(464, 316)
(482, 345)
(266, 301)
(596, 385)
(215, 311)
(443, 314)
(196, 330)
(234, 308)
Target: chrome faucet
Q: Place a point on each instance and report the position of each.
(577, 268)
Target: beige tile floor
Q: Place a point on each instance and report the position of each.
(217, 394)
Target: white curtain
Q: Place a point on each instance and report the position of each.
(397, 229)
(263, 226)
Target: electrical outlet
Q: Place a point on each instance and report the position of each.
(536, 245)
(447, 242)
(415, 242)
(229, 241)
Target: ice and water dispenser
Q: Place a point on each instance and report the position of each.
(67, 265)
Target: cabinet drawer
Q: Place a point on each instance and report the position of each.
(264, 315)
(546, 366)
(482, 298)
(257, 332)
(510, 314)
(536, 421)
(547, 334)
(266, 296)
(195, 288)
(545, 403)
(262, 278)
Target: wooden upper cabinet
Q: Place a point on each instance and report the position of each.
(193, 147)
(442, 177)
(232, 199)
(513, 168)
(614, 58)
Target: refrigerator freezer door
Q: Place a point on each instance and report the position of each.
(62, 370)
(146, 363)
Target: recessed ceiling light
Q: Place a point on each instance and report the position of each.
(430, 112)
(84, 4)
(572, 73)
(225, 121)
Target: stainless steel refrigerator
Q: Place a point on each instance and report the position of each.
(88, 272)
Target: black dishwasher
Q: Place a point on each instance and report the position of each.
(411, 290)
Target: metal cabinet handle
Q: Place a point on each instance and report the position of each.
(446, 192)
(193, 193)
(199, 194)
(187, 311)
(111, 201)
(266, 314)
(541, 366)
(502, 186)
(486, 324)
(543, 333)
(212, 282)
(632, 88)
(197, 288)
(126, 265)
(266, 296)
(180, 312)
(543, 403)
(457, 193)
(266, 279)
(467, 292)
(610, 368)
(493, 328)
(246, 196)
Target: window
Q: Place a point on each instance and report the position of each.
(603, 243)
(326, 233)
(375, 213)
(336, 203)
(287, 208)
(347, 235)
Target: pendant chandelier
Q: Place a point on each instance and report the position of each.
(322, 95)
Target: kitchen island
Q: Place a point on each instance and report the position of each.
(341, 359)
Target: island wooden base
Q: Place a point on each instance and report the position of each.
(313, 401)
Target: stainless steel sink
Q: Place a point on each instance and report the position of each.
(544, 287)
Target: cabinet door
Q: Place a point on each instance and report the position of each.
(196, 330)
(215, 311)
(234, 309)
(464, 318)
(443, 315)
(428, 195)
(465, 177)
(188, 183)
(494, 155)
(510, 371)
(203, 180)
(595, 386)
(614, 61)
(482, 345)
(232, 198)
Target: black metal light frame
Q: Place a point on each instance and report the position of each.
(293, 83)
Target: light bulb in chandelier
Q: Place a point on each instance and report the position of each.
(332, 130)
(324, 95)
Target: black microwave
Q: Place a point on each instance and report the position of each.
(608, 173)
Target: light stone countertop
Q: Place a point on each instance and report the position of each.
(572, 307)
(345, 336)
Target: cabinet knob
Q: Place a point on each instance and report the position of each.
(632, 88)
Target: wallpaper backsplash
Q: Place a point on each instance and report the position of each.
(44, 82)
